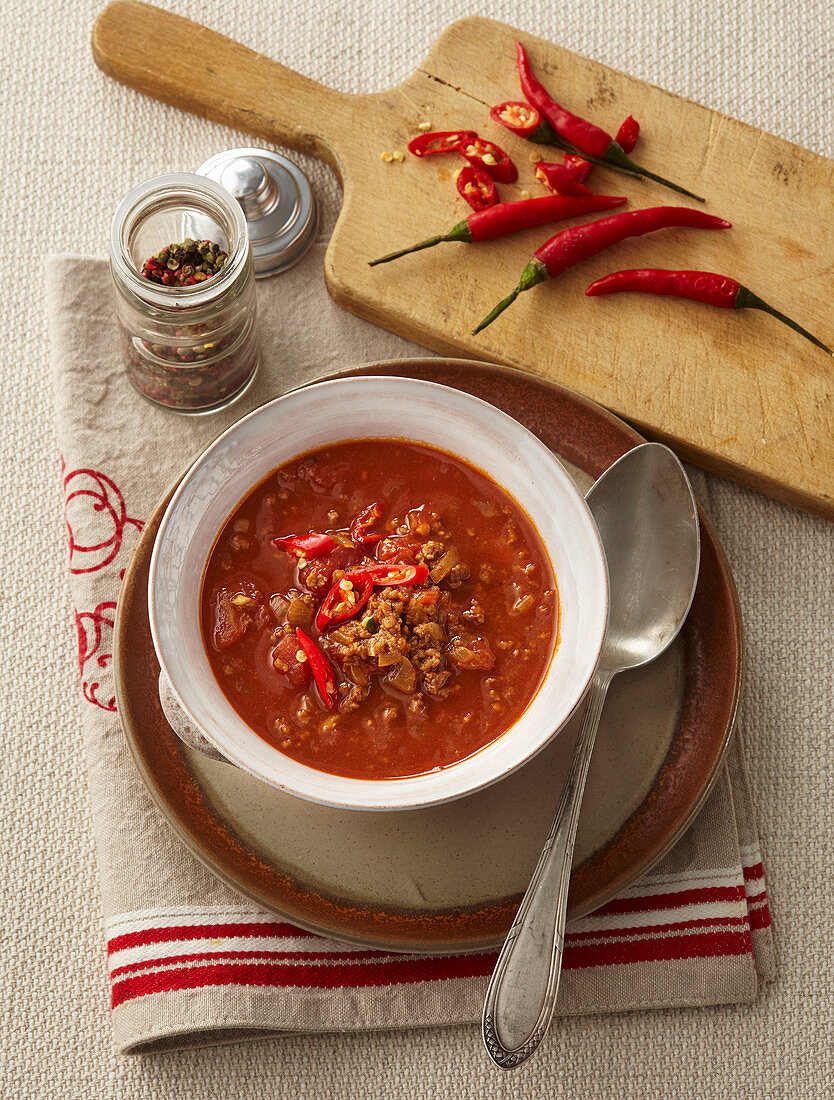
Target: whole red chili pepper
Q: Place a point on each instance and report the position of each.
(477, 187)
(579, 242)
(442, 141)
(587, 137)
(698, 286)
(306, 547)
(366, 518)
(321, 669)
(578, 167)
(628, 134)
(509, 217)
(345, 598)
(491, 157)
(390, 573)
(579, 136)
(559, 179)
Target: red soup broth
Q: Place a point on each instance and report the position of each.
(429, 660)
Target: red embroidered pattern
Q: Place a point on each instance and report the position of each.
(95, 507)
(96, 517)
(90, 626)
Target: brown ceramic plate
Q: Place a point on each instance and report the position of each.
(450, 878)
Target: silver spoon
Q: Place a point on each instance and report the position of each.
(648, 522)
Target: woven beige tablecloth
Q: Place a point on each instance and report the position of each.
(72, 144)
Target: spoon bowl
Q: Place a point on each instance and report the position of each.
(648, 522)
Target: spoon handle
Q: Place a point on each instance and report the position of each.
(522, 991)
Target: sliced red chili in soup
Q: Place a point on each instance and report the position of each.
(415, 630)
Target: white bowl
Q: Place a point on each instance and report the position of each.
(376, 407)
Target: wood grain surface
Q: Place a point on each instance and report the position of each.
(737, 393)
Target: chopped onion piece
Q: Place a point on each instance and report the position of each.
(279, 605)
(470, 651)
(461, 655)
(434, 630)
(403, 676)
(446, 563)
(387, 658)
(299, 613)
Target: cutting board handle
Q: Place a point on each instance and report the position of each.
(189, 66)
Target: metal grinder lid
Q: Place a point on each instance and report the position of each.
(277, 201)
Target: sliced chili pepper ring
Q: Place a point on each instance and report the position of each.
(321, 669)
(393, 573)
(306, 547)
(559, 179)
(579, 167)
(491, 157)
(628, 134)
(346, 597)
(477, 187)
(366, 518)
(517, 116)
(440, 141)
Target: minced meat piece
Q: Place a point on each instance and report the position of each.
(427, 643)
(430, 551)
(457, 575)
(475, 612)
(352, 695)
(423, 607)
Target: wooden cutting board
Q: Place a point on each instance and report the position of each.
(735, 392)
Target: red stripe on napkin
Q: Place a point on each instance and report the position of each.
(203, 932)
(655, 929)
(699, 946)
(670, 900)
(319, 977)
(202, 956)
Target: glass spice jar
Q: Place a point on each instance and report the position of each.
(188, 348)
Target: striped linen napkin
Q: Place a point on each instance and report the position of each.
(191, 962)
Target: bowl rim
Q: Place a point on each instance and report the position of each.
(398, 793)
